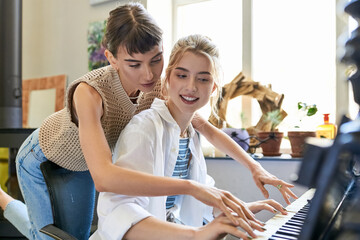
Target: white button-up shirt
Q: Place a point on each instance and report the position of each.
(150, 143)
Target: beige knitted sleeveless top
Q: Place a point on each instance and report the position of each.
(59, 136)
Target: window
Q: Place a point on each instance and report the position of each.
(291, 45)
(294, 50)
(212, 18)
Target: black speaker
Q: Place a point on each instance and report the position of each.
(10, 63)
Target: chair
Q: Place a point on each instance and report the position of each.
(72, 197)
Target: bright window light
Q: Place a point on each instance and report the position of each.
(223, 24)
(294, 50)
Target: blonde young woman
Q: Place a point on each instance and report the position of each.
(162, 141)
(99, 105)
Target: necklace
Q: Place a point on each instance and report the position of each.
(185, 133)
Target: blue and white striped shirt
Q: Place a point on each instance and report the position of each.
(181, 170)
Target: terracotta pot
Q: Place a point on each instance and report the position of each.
(297, 141)
(271, 144)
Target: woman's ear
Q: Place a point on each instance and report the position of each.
(214, 88)
(112, 60)
(164, 88)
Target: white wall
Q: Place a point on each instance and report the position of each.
(55, 35)
(234, 177)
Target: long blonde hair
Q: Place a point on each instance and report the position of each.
(197, 44)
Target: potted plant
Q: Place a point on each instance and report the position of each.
(298, 136)
(270, 140)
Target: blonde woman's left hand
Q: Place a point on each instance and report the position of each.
(268, 204)
(262, 177)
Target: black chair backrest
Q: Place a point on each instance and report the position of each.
(72, 196)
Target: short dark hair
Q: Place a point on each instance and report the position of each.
(133, 27)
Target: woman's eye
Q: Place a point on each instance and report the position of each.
(156, 60)
(203, 79)
(181, 76)
(134, 65)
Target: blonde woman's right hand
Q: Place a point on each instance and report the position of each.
(222, 225)
(230, 205)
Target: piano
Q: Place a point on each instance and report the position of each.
(330, 209)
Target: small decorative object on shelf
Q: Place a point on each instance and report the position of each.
(327, 129)
(239, 135)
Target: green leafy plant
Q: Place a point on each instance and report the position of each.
(305, 110)
(308, 109)
(274, 117)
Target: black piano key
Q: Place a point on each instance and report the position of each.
(298, 219)
(301, 218)
(292, 226)
(287, 232)
(304, 210)
(290, 229)
(276, 238)
(284, 236)
(297, 224)
(299, 214)
(306, 207)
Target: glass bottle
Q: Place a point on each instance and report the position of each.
(327, 129)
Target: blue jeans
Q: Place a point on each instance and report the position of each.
(37, 213)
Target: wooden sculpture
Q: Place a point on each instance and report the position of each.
(267, 99)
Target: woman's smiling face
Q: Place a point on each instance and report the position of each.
(190, 84)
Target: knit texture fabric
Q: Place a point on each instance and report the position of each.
(59, 136)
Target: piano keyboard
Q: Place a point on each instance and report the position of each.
(281, 227)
